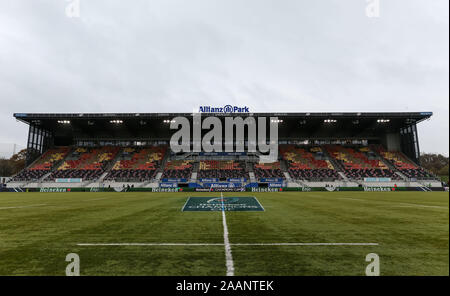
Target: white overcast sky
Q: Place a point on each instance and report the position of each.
(271, 55)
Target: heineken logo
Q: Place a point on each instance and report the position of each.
(54, 190)
(377, 189)
(165, 189)
(268, 189)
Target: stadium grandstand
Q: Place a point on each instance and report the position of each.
(132, 149)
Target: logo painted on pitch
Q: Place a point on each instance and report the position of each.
(232, 203)
(224, 200)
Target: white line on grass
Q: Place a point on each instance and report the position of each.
(226, 241)
(394, 204)
(182, 209)
(220, 244)
(413, 206)
(349, 198)
(305, 244)
(259, 203)
(21, 207)
(147, 244)
(421, 206)
(96, 199)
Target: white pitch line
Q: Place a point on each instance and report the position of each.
(349, 198)
(259, 203)
(226, 241)
(220, 244)
(21, 207)
(147, 244)
(421, 206)
(96, 199)
(396, 204)
(182, 209)
(305, 244)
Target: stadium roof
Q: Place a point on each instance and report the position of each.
(154, 125)
(412, 115)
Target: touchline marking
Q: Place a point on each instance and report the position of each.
(226, 242)
(220, 244)
(21, 207)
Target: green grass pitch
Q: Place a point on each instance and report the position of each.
(411, 230)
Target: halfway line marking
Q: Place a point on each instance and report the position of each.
(226, 241)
